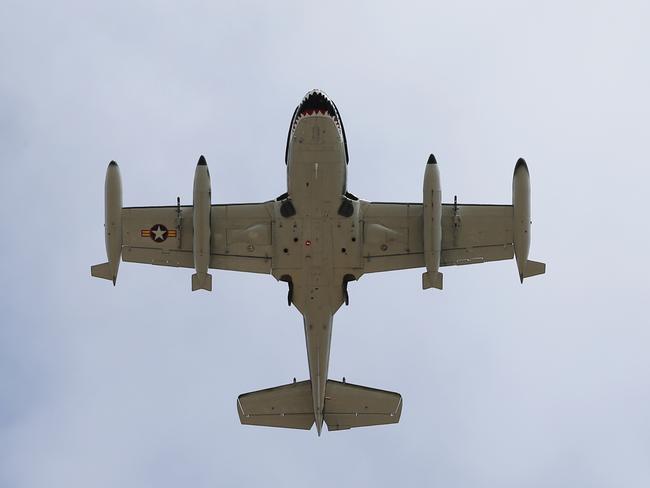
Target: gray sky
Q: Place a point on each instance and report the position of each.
(504, 385)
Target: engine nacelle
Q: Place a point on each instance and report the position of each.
(432, 225)
(112, 225)
(202, 202)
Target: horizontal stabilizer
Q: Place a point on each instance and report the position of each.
(103, 271)
(288, 406)
(436, 282)
(348, 406)
(201, 281)
(533, 268)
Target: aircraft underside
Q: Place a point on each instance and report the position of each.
(317, 238)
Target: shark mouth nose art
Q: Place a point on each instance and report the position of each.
(316, 104)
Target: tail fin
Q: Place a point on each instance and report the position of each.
(104, 271)
(432, 282)
(532, 268)
(201, 281)
(346, 406)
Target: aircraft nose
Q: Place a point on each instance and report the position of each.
(316, 101)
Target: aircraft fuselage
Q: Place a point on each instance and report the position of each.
(323, 243)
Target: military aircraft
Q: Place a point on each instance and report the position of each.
(317, 237)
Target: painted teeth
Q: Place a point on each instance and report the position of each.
(315, 113)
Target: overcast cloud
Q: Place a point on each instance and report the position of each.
(504, 385)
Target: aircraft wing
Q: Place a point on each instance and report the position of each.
(471, 234)
(240, 236)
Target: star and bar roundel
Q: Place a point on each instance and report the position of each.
(158, 233)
